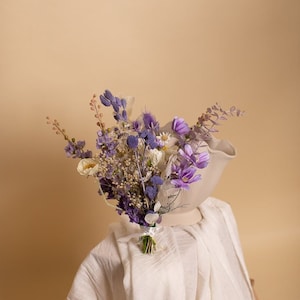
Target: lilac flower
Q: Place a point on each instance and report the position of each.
(180, 126)
(202, 161)
(80, 144)
(117, 117)
(116, 104)
(149, 139)
(135, 215)
(151, 192)
(150, 122)
(70, 149)
(124, 115)
(120, 116)
(198, 160)
(178, 167)
(86, 154)
(132, 141)
(123, 103)
(157, 180)
(104, 141)
(107, 99)
(185, 178)
(136, 125)
(76, 150)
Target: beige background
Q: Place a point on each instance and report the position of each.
(176, 58)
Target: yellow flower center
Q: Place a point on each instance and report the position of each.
(89, 166)
(185, 179)
(164, 137)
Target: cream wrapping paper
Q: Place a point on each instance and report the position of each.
(202, 261)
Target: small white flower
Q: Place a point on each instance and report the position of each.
(88, 167)
(167, 140)
(156, 156)
(151, 218)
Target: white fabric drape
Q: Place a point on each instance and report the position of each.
(202, 261)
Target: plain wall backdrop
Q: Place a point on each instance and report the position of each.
(175, 58)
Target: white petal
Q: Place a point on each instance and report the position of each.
(151, 218)
(157, 206)
(87, 167)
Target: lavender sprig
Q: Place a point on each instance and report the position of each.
(74, 149)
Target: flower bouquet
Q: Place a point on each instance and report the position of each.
(138, 163)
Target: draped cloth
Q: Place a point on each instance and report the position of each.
(202, 261)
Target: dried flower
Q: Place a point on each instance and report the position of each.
(136, 161)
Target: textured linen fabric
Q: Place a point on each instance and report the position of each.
(202, 261)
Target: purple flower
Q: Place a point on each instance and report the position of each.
(123, 103)
(87, 154)
(117, 117)
(107, 99)
(202, 160)
(198, 160)
(185, 178)
(124, 114)
(180, 126)
(151, 192)
(157, 180)
(132, 141)
(135, 215)
(104, 141)
(116, 104)
(70, 149)
(149, 139)
(136, 125)
(150, 122)
(76, 150)
(80, 144)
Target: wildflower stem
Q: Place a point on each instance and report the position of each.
(141, 176)
(105, 199)
(96, 107)
(59, 130)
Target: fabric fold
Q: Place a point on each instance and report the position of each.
(150, 276)
(197, 262)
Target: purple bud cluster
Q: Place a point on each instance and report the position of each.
(118, 105)
(106, 142)
(76, 150)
